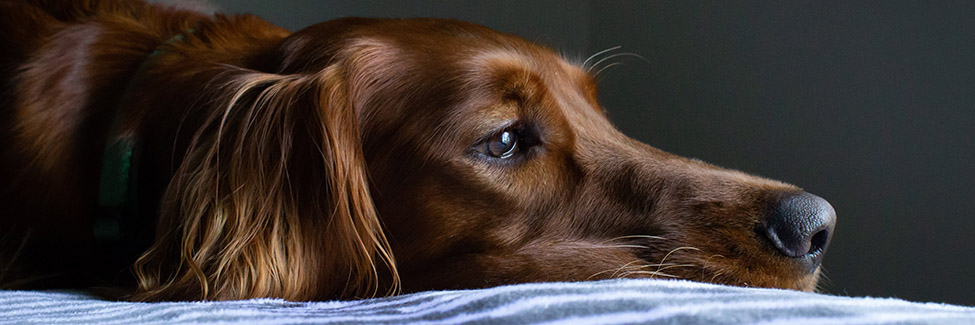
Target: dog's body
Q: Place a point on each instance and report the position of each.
(350, 158)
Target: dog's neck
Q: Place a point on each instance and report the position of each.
(119, 217)
(118, 202)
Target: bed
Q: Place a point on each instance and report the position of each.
(602, 302)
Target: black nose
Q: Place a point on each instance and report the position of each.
(800, 225)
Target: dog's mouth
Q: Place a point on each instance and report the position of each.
(806, 283)
(735, 265)
(713, 271)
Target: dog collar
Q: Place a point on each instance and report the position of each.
(117, 195)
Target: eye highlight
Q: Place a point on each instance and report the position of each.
(510, 142)
(502, 145)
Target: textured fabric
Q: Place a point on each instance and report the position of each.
(601, 302)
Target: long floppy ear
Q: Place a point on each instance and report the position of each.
(271, 200)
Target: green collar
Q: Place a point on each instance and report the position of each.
(117, 195)
(117, 199)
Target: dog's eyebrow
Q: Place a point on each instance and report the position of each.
(491, 118)
(521, 74)
(500, 58)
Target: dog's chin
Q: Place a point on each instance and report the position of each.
(807, 282)
(812, 282)
(782, 276)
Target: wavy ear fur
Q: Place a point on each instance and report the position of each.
(271, 200)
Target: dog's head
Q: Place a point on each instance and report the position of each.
(484, 159)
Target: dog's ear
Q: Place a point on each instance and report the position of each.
(271, 199)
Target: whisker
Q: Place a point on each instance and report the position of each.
(661, 268)
(708, 260)
(614, 270)
(623, 267)
(594, 65)
(597, 274)
(606, 67)
(716, 275)
(623, 246)
(667, 266)
(651, 273)
(707, 264)
(584, 63)
(643, 236)
(635, 237)
(673, 266)
(824, 280)
(675, 250)
(678, 249)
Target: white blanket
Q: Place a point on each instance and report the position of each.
(600, 302)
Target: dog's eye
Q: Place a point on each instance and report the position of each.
(511, 143)
(503, 145)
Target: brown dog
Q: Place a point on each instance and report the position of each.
(351, 158)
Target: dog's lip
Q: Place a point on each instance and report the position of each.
(789, 272)
(811, 261)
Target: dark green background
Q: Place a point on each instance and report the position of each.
(867, 104)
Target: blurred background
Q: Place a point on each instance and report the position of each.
(870, 105)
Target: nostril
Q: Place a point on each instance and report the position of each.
(818, 242)
(800, 225)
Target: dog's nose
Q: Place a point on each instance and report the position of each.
(800, 225)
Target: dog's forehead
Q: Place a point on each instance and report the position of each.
(536, 74)
(474, 85)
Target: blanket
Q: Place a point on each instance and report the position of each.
(599, 302)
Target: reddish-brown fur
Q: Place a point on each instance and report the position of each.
(343, 160)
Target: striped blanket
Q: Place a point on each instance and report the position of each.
(601, 302)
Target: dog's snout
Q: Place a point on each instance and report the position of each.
(800, 225)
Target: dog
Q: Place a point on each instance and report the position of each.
(221, 157)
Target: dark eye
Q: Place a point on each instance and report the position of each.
(511, 143)
(502, 145)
